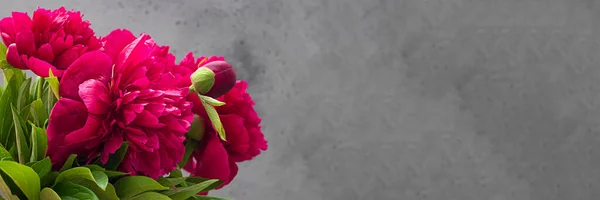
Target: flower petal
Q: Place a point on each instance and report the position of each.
(238, 140)
(42, 68)
(88, 132)
(91, 65)
(146, 118)
(134, 53)
(213, 161)
(13, 58)
(95, 96)
(67, 115)
(115, 41)
(25, 42)
(65, 59)
(45, 53)
(7, 28)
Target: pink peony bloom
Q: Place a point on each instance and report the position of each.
(130, 92)
(53, 39)
(216, 158)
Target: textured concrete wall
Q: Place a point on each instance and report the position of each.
(398, 99)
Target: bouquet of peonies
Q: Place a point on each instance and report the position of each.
(114, 117)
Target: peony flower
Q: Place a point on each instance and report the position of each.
(53, 39)
(130, 92)
(216, 158)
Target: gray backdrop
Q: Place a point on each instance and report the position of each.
(398, 99)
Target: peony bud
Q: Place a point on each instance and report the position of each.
(213, 79)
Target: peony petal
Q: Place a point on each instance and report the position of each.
(22, 21)
(111, 146)
(148, 163)
(257, 139)
(155, 108)
(60, 41)
(66, 116)
(238, 139)
(91, 65)
(7, 28)
(189, 62)
(146, 118)
(45, 53)
(42, 68)
(26, 42)
(95, 95)
(89, 131)
(134, 53)
(115, 41)
(41, 20)
(13, 58)
(65, 59)
(130, 96)
(173, 124)
(213, 161)
(129, 115)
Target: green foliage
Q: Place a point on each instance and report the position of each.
(209, 104)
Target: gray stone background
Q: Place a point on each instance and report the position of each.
(398, 99)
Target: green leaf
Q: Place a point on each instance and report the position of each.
(186, 192)
(4, 64)
(49, 194)
(13, 74)
(39, 87)
(39, 143)
(71, 191)
(49, 100)
(21, 141)
(176, 173)
(23, 95)
(26, 115)
(190, 147)
(101, 179)
(210, 198)
(108, 194)
(214, 118)
(38, 112)
(69, 162)
(164, 182)
(8, 97)
(211, 101)
(109, 173)
(5, 192)
(115, 160)
(75, 174)
(151, 195)
(33, 88)
(3, 51)
(5, 155)
(24, 177)
(42, 167)
(196, 180)
(176, 181)
(53, 84)
(48, 179)
(134, 185)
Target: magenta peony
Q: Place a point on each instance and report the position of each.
(53, 39)
(217, 158)
(133, 92)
